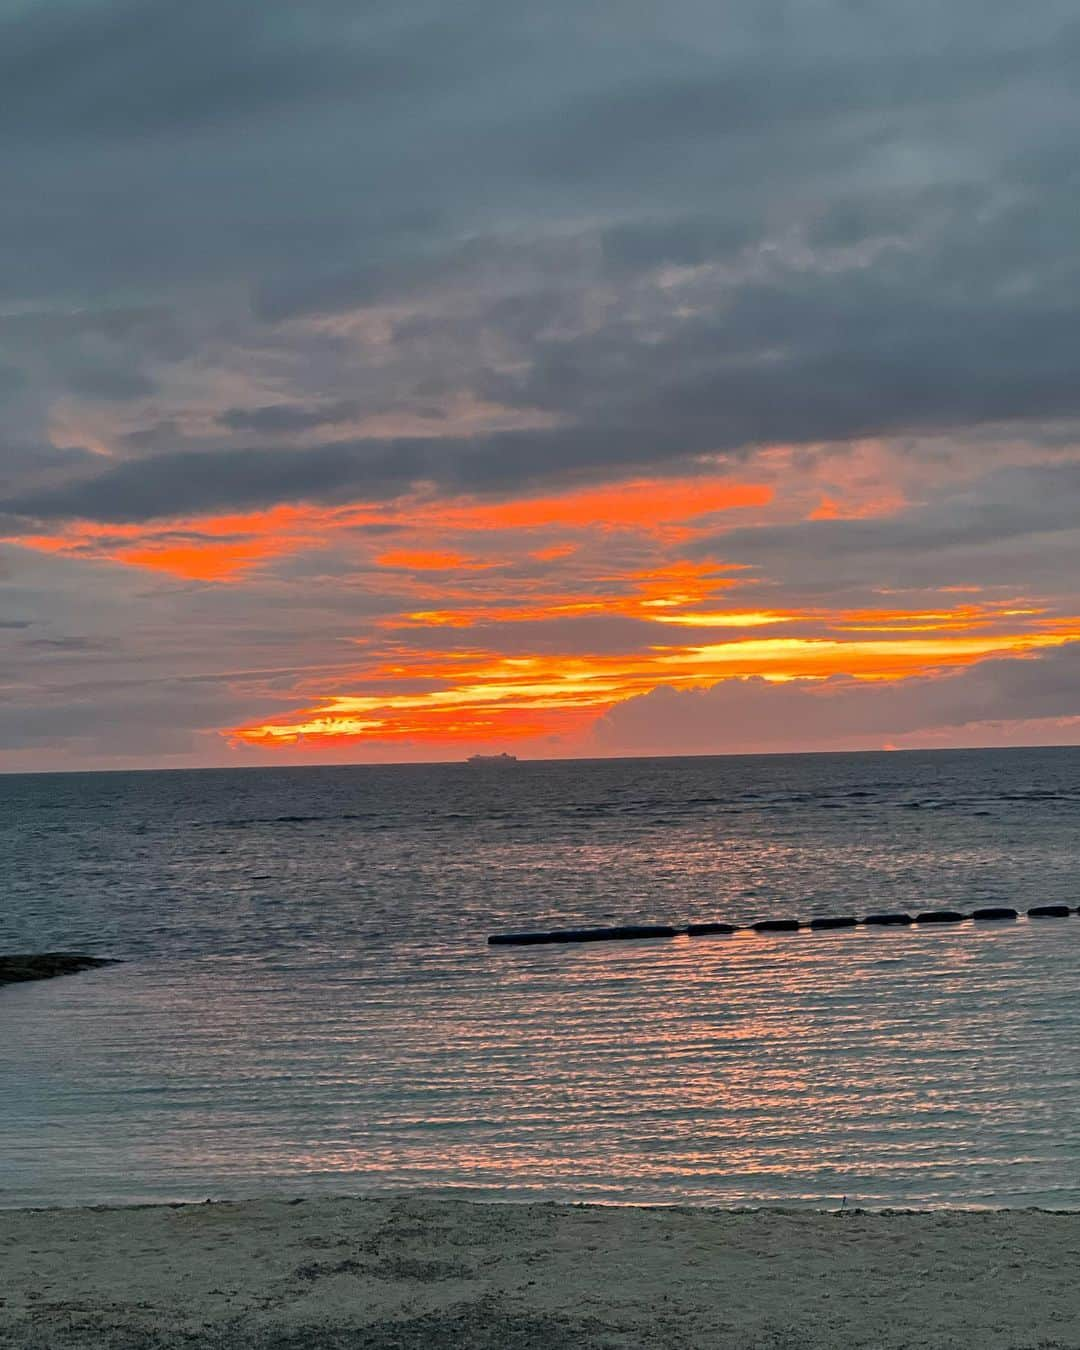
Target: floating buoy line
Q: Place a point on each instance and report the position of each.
(631, 932)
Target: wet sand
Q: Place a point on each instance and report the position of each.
(428, 1272)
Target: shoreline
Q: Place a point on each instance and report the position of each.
(419, 1270)
(463, 1196)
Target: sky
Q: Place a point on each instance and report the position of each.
(403, 380)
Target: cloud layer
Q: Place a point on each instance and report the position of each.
(340, 349)
(1026, 702)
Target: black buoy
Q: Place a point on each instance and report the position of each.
(628, 932)
(622, 934)
(642, 930)
(583, 935)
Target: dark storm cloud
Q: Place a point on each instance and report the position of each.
(879, 207)
(259, 128)
(187, 483)
(978, 326)
(31, 464)
(192, 482)
(128, 68)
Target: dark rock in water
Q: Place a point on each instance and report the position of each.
(881, 920)
(940, 916)
(1049, 912)
(844, 921)
(46, 965)
(776, 926)
(703, 929)
(995, 912)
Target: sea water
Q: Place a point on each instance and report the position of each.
(307, 1002)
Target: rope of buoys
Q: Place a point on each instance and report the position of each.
(622, 934)
(628, 932)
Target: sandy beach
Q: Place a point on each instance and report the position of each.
(421, 1271)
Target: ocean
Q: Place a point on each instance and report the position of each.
(307, 1002)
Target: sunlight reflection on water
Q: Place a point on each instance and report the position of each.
(737, 1070)
(311, 1005)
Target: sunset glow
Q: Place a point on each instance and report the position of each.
(637, 392)
(484, 698)
(443, 664)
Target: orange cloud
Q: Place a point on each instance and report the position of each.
(254, 538)
(222, 562)
(636, 592)
(554, 551)
(610, 552)
(211, 548)
(419, 560)
(484, 696)
(644, 504)
(727, 619)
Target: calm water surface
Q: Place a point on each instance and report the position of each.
(308, 1002)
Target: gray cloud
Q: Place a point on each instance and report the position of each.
(124, 69)
(745, 716)
(1018, 526)
(522, 248)
(197, 481)
(878, 212)
(830, 349)
(278, 418)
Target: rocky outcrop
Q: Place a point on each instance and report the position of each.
(46, 965)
